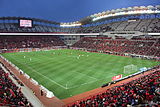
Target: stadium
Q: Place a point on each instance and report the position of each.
(107, 59)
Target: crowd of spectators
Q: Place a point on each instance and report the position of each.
(13, 42)
(94, 29)
(10, 94)
(143, 92)
(140, 46)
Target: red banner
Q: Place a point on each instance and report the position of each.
(116, 77)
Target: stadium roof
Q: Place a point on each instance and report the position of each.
(101, 16)
(65, 10)
(35, 19)
(76, 12)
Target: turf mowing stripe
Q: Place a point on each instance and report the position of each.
(41, 74)
(87, 75)
(89, 82)
(62, 68)
(50, 66)
(76, 72)
(75, 86)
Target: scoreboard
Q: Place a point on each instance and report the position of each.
(25, 23)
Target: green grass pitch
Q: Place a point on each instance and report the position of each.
(70, 72)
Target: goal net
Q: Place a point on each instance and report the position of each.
(130, 68)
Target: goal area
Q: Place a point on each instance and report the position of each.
(130, 69)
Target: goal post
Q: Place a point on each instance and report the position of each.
(130, 68)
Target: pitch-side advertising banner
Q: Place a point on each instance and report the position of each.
(116, 77)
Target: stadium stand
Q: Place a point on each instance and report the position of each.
(141, 46)
(10, 94)
(12, 42)
(144, 91)
(143, 25)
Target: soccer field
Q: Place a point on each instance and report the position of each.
(70, 72)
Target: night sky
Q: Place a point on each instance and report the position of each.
(64, 10)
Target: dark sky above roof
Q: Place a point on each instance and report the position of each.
(64, 10)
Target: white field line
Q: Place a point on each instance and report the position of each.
(88, 82)
(41, 74)
(86, 75)
(73, 56)
(65, 87)
(52, 80)
(75, 86)
(82, 73)
(75, 71)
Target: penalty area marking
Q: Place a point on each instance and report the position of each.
(86, 75)
(75, 86)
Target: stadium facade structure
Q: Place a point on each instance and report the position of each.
(129, 22)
